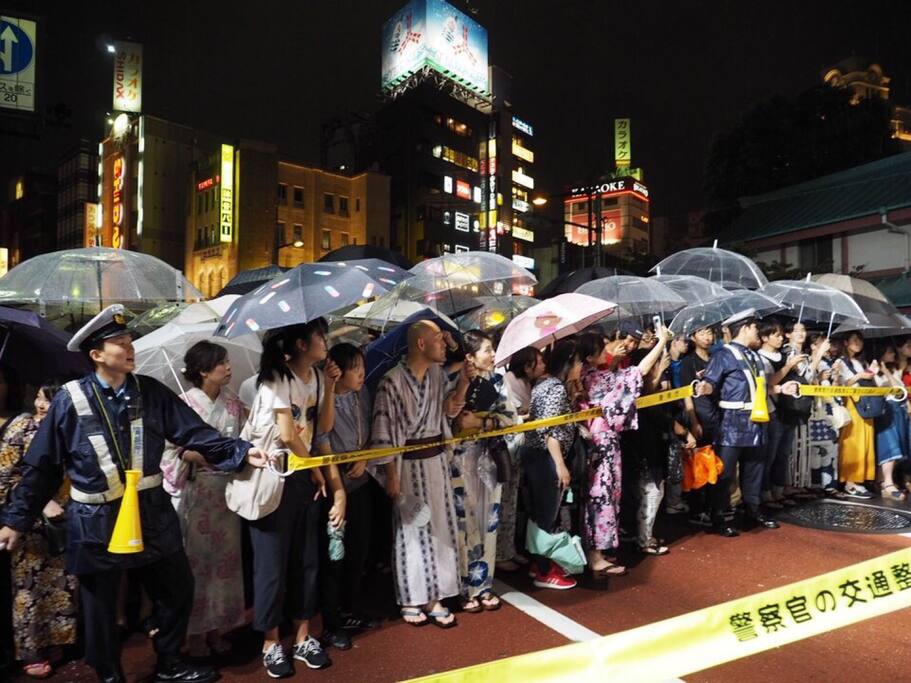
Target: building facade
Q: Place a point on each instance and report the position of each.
(77, 196)
(617, 209)
(28, 219)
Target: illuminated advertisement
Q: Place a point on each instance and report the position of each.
(462, 221)
(622, 150)
(127, 77)
(91, 228)
(611, 230)
(226, 205)
(435, 34)
(463, 189)
(522, 126)
(523, 234)
(117, 203)
(609, 188)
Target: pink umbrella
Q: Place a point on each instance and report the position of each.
(550, 320)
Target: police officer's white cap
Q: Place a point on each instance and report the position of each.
(109, 323)
(739, 317)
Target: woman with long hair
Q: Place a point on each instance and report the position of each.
(857, 442)
(44, 604)
(892, 438)
(211, 533)
(299, 399)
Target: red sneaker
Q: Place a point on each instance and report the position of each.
(556, 578)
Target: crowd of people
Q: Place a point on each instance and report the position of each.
(435, 522)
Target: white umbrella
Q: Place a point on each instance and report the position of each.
(206, 311)
(386, 311)
(160, 354)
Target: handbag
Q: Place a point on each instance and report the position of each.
(841, 416)
(869, 407)
(700, 467)
(255, 492)
(54, 532)
(795, 409)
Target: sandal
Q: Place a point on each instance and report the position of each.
(490, 601)
(653, 547)
(414, 612)
(472, 606)
(437, 616)
(886, 492)
(41, 669)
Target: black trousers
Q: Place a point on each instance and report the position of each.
(752, 468)
(341, 581)
(542, 494)
(286, 556)
(169, 584)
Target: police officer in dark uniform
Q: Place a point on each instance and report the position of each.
(98, 427)
(731, 376)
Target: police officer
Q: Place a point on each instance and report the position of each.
(98, 427)
(731, 376)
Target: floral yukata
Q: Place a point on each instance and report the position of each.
(616, 392)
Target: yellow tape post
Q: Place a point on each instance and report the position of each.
(649, 401)
(715, 635)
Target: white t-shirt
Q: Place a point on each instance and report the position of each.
(301, 397)
(247, 392)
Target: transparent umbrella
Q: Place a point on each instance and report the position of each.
(693, 289)
(815, 301)
(726, 268)
(637, 296)
(715, 311)
(97, 276)
(493, 314)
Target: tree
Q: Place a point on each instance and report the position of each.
(784, 141)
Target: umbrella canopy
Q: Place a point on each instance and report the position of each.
(716, 311)
(814, 301)
(206, 311)
(571, 281)
(492, 313)
(383, 354)
(637, 296)
(384, 272)
(37, 349)
(726, 268)
(878, 326)
(98, 276)
(154, 318)
(550, 320)
(160, 354)
(868, 297)
(365, 315)
(693, 289)
(304, 293)
(367, 251)
(248, 280)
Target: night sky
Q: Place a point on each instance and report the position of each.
(275, 70)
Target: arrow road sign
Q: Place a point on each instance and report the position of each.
(17, 63)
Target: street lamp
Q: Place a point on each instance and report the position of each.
(278, 247)
(539, 201)
(110, 48)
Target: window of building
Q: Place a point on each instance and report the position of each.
(282, 193)
(280, 233)
(198, 237)
(454, 125)
(815, 255)
(298, 232)
(199, 199)
(342, 206)
(328, 203)
(357, 204)
(299, 197)
(343, 240)
(326, 242)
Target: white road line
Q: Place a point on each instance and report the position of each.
(551, 618)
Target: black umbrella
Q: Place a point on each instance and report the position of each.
(567, 283)
(364, 251)
(248, 280)
(37, 349)
(304, 293)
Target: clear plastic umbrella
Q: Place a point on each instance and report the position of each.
(97, 276)
(160, 354)
(637, 296)
(494, 313)
(726, 268)
(815, 301)
(715, 311)
(693, 289)
(377, 315)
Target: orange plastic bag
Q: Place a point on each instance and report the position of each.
(700, 467)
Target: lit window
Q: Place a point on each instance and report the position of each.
(343, 206)
(328, 203)
(299, 197)
(326, 243)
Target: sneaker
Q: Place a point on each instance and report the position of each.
(729, 514)
(701, 519)
(310, 652)
(276, 663)
(680, 508)
(337, 639)
(858, 491)
(556, 578)
(353, 622)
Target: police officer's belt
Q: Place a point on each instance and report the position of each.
(736, 405)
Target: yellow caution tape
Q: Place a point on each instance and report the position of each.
(651, 400)
(715, 635)
(853, 392)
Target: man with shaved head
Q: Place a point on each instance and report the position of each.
(414, 403)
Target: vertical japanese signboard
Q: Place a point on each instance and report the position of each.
(622, 150)
(127, 77)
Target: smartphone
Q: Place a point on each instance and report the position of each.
(657, 322)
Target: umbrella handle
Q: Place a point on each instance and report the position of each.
(831, 320)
